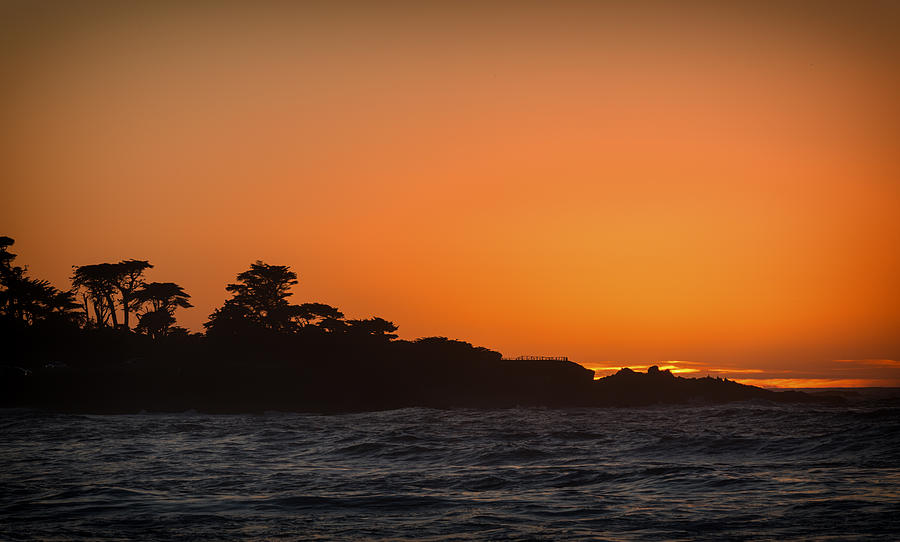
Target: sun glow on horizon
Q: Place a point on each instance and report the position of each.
(847, 373)
(600, 372)
(801, 383)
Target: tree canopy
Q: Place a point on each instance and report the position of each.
(27, 299)
(373, 327)
(259, 301)
(160, 299)
(313, 313)
(100, 283)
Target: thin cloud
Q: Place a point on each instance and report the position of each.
(786, 383)
(873, 362)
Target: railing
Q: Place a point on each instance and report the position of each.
(539, 358)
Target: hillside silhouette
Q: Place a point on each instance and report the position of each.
(68, 350)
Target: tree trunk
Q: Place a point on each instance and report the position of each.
(112, 311)
(125, 301)
(99, 313)
(87, 312)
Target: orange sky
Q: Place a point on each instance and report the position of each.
(623, 183)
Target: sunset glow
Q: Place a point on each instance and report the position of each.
(844, 373)
(616, 184)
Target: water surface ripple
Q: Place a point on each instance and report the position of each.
(745, 471)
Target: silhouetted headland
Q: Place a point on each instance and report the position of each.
(67, 350)
(434, 372)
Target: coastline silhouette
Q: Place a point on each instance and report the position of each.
(68, 350)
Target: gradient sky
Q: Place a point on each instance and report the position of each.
(709, 187)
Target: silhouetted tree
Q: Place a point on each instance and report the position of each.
(26, 299)
(129, 276)
(96, 283)
(313, 313)
(155, 323)
(332, 325)
(447, 349)
(231, 320)
(374, 327)
(62, 303)
(32, 300)
(259, 300)
(100, 282)
(8, 274)
(163, 298)
(6, 257)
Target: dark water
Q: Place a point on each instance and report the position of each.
(746, 471)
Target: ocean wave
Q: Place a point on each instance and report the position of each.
(688, 472)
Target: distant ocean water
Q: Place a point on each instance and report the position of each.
(739, 471)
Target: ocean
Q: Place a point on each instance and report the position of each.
(747, 471)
